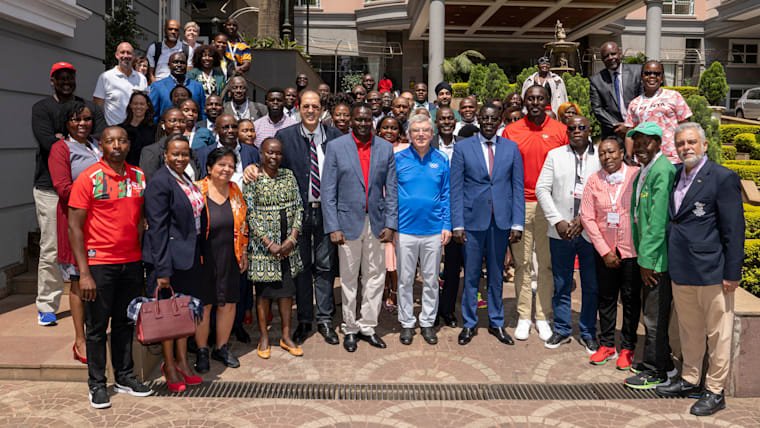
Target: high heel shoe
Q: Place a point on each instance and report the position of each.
(82, 359)
(174, 387)
(190, 380)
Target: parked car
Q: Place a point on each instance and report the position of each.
(749, 104)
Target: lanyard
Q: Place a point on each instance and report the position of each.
(233, 50)
(614, 199)
(241, 114)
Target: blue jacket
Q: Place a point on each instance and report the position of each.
(706, 235)
(160, 90)
(423, 192)
(345, 202)
(203, 137)
(169, 241)
(474, 193)
(248, 155)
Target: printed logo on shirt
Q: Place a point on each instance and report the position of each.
(90, 253)
(545, 136)
(433, 165)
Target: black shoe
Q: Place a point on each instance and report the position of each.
(708, 404)
(590, 344)
(449, 320)
(99, 398)
(501, 334)
(192, 347)
(131, 386)
(349, 342)
(406, 336)
(466, 335)
(679, 388)
(328, 333)
(201, 361)
(429, 335)
(241, 335)
(224, 355)
(556, 340)
(301, 333)
(373, 340)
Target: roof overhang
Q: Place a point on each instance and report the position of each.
(735, 19)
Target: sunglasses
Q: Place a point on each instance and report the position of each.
(579, 127)
(652, 73)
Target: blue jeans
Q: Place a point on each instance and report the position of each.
(563, 260)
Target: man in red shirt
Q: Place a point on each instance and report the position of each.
(106, 225)
(536, 134)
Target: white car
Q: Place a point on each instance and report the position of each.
(749, 104)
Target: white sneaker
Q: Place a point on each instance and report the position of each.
(544, 329)
(523, 329)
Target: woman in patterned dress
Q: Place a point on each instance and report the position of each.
(207, 61)
(274, 222)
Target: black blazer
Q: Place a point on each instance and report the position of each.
(169, 241)
(248, 155)
(152, 159)
(434, 143)
(296, 154)
(604, 104)
(706, 235)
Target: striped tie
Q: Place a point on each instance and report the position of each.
(314, 168)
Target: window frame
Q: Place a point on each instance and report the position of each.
(743, 42)
(674, 3)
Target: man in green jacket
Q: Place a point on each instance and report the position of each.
(649, 205)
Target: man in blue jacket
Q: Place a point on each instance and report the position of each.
(705, 252)
(487, 213)
(160, 90)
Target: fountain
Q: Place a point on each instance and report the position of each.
(564, 55)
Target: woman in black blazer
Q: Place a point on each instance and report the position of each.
(171, 246)
(152, 156)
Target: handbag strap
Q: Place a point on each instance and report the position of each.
(158, 308)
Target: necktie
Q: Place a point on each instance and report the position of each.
(314, 168)
(618, 95)
(490, 157)
(578, 181)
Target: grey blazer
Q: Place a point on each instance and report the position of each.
(257, 110)
(604, 104)
(344, 200)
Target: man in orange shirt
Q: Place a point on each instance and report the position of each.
(536, 134)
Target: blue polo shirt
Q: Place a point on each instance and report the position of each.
(160, 90)
(423, 192)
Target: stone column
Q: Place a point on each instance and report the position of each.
(654, 29)
(436, 26)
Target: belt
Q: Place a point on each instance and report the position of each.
(315, 204)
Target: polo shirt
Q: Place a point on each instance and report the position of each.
(423, 192)
(238, 51)
(114, 206)
(115, 88)
(161, 90)
(161, 70)
(534, 143)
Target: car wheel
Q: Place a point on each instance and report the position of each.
(740, 114)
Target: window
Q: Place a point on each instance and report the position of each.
(743, 52)
(312, 3)
(678, 7)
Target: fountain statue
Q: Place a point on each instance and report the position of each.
(564, 55)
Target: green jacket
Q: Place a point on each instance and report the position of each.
(651, 215)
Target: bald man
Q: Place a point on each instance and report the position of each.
(159, 52)
(116, 85)
(611, 90)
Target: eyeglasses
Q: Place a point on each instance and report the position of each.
(579, 127)
(420, 131)
(652, 73)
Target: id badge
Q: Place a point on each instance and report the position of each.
(613, 220)
(578, 193)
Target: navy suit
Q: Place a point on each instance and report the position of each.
(706, 235)
(248, 155)
(486, 207)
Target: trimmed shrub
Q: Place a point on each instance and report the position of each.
(578, 92)
(728, 132)
(728, 153)
(685, 91)
(751, 273)
(741, 162)
(712, 84)
(745, 142)
(524, 74)
(477, 82)
(460, 90)
(745, 171)
(751, 221)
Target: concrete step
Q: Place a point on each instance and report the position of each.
(26, 283)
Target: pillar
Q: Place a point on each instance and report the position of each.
(654, 29)
(436, 25)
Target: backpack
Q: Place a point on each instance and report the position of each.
(158, 46)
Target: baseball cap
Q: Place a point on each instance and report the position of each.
(61, 66)
(648, 128)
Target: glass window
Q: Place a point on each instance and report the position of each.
(312, 3)
(743, 53)
(678, 7)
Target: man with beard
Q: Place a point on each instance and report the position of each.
(375, 103)
(387, 102)
(275, 118)
(467, 110)
(443, 93)
(159, 52)
(400, 110)
(160, 92)
(242, 107)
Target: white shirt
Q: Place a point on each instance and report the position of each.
(484, 147)
(621, 101)
(377, 119)
(115, 88)
(237, 176)
(162, 69)
(447, 149)
(461, 124)
(318, 141)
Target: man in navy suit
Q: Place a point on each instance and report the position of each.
(705, 254)
(487, 213)
(360, 211)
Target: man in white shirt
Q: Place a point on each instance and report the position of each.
(115, 86)
(159, 62)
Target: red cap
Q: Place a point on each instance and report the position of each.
(61, 66)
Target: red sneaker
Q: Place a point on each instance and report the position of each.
(625, 360)
(603, 354)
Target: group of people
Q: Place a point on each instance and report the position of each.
(194, 188)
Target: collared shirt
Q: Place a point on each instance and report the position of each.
(462, 123)
(534, 143)
(666, 108)
(685, 182)
(642, 178)
(620, 100)
(115, 88)
(376, 119)
(237, 176)
(365, 156)
(238, 51)
(318, 141)
(423, 192)
(160, 95)
(241, 111)
(161, 70)
(265, 128)
(484, 148)
(447, 149)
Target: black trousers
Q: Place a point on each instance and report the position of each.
(453, 261)
(116, 286)
(320, 261)
(624, 281)
(656, 305)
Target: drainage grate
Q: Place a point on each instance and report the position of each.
(409, 392)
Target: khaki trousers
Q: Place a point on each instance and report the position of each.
(535, 231)
(49, 279)
(368, 253)
(705, 313)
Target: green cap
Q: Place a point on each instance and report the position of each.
(648, 128)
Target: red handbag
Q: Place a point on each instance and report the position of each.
(165, 319)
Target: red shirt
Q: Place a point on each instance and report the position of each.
(114, 207)
(534, 143)
(365, 152)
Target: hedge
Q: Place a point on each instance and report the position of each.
(751, 221)
(460, 90)
(728, 153)
(741, 162)
(729, 132)
(685, 91)
(745, 143)
(751, 273)
(746, 171)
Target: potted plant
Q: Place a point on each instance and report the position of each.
(713, 86)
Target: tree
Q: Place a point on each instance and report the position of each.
(350, 81)
(523, 76)
(639, 58)
(701, 114)
(712, 84)
(460, 65)
(477, 82)
(578, 92)
(496, 83)
(121, 27)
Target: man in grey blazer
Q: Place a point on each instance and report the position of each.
(612, 89)
(360, 212)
